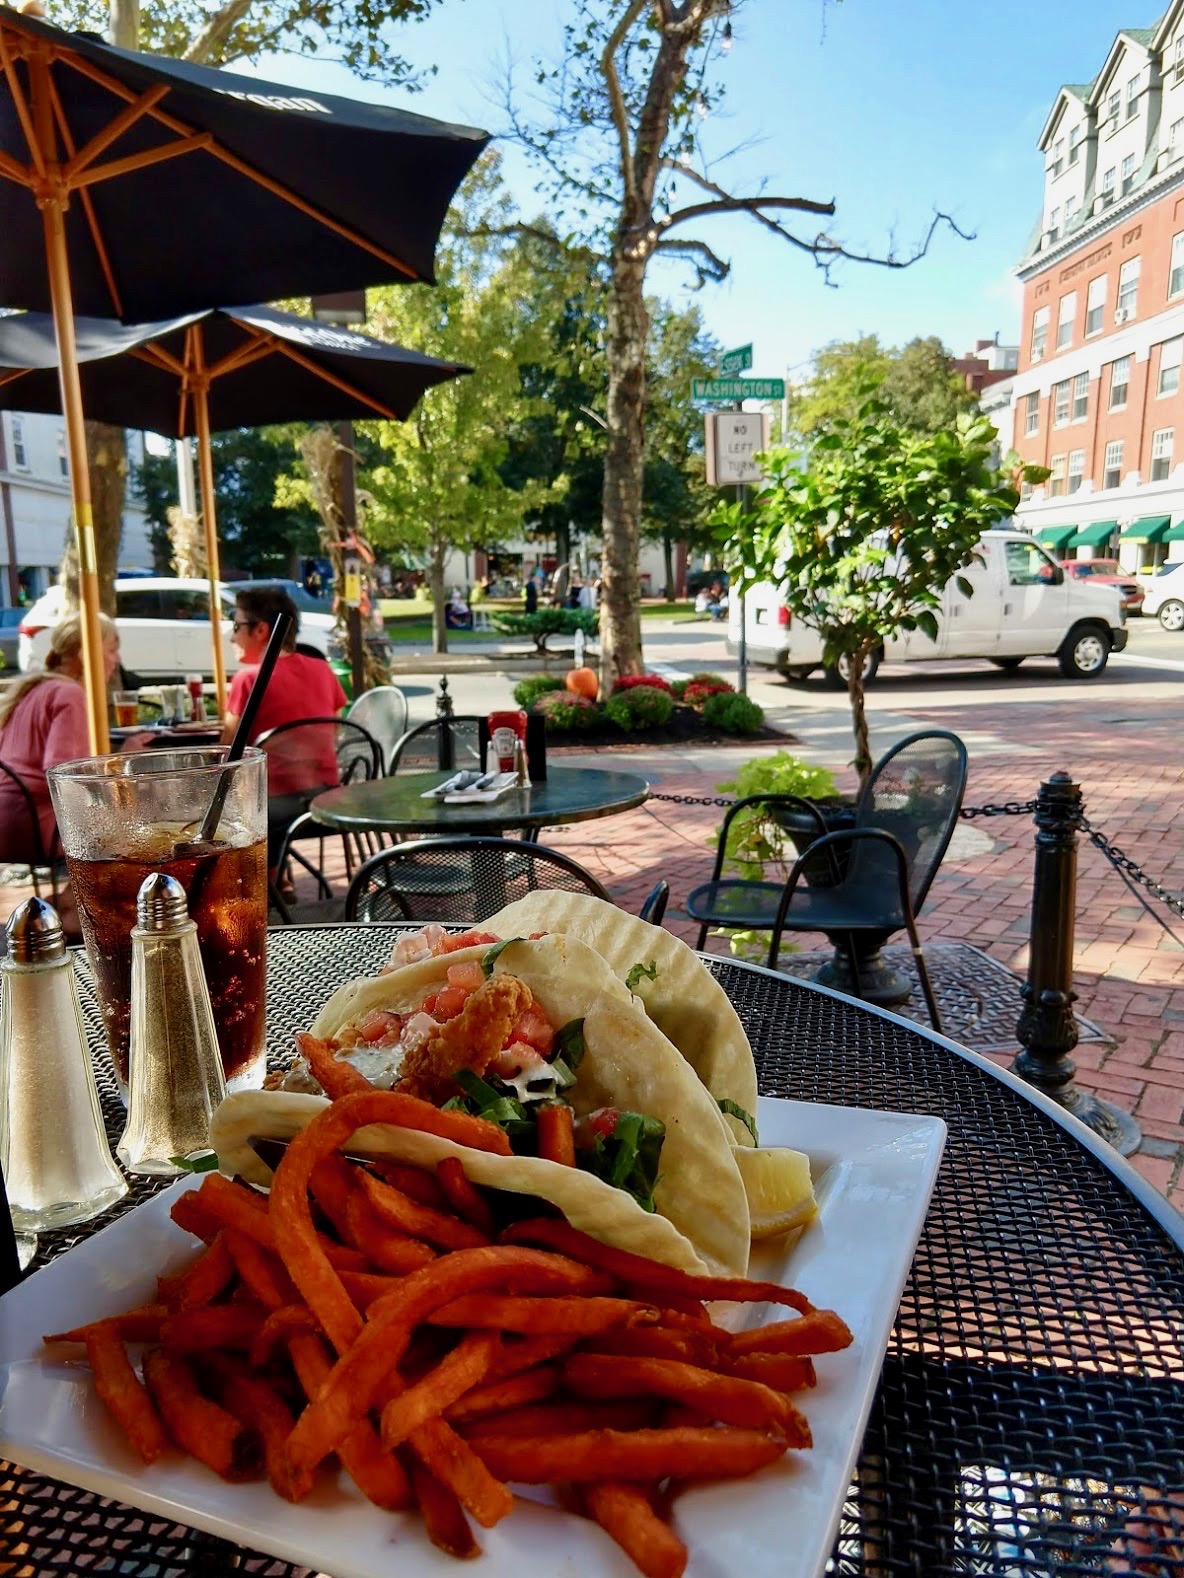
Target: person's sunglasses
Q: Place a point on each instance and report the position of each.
(244, 624)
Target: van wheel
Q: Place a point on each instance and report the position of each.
(1007, 664)
(1171, 615)
(835, 674)
(1085, 653)
(799, 674)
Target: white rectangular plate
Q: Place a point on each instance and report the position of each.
(874, 1173)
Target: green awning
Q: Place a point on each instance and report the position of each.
(1174, 533)
(1149, 528)
(1095, 534)
(1054, 537)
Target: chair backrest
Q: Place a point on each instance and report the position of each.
(38, 854)
(384, 712)
(915, 793)
(314, 752)
(419, 749)
(459, 879)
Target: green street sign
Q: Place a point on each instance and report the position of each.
(737, 388)
(736, 361)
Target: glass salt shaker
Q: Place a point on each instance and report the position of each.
(54, 1154)
(175, 1078)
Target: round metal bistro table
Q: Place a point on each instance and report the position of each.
(1032, 1394)
(396, 805)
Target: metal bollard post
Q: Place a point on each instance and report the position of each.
(1047, 1029)
(444, 732)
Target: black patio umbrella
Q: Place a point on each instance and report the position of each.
(202, 373)
(277, 192)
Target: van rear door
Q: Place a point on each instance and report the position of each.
(1035, 609)
(970, 625)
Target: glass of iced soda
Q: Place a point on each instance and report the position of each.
(123, 817)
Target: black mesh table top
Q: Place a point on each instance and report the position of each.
(1032, 1397)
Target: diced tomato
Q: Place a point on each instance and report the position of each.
(447, 1004)
(378, 1024)
(466, 939)
(535, 1029)
(602, 1124)
(466, 977)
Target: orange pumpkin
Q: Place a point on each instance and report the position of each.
(583, 682)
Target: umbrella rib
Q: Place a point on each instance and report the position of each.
(113, 130)
(156, 356)
(21, 104)
(199, 142)
(171, 123)
(84, 197)
(331, 378)
(252, 350)
(14, 170)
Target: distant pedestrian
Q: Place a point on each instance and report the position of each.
(530, 596)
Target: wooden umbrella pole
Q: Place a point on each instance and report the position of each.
(209, 520)
(52, 201)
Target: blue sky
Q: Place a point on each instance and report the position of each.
(891, 107)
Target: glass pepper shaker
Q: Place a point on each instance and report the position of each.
(175, 1078)
(54, 1154)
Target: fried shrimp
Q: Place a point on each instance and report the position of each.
(471, 1040)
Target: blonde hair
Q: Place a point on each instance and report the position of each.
(65, 643)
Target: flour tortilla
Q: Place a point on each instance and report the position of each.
(701, 1213)
(685, 1001)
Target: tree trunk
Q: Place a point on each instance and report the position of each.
(563, 548)
(620, 603)
(668, 565)
(863, 749)
(106, 449)
(124, 23)
(439, 598)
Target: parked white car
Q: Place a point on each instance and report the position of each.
(1023, 605)
(164, 627)
(1165, 596)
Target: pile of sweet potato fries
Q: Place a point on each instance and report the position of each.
(373, 1313)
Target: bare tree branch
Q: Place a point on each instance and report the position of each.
(519, 230)
(211, 42)
(608, 65)
(742, 205)
(708, 265)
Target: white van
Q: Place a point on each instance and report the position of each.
(1023, 605)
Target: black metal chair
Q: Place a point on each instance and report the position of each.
(383, 711)
(654, 907)
(861, 884)
(442, 743)
(41, 861)
(460, 880)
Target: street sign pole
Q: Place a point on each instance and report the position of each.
(742, 655)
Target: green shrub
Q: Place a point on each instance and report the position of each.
(733, 714)
(642, 707)
(527, 691)
(678, 688)
(562, 710)
(700, 690)
(715, 680)
(548, 622)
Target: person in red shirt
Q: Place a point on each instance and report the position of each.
(301, 762)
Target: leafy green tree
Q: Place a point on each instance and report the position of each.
(863, 532)
(917, 383)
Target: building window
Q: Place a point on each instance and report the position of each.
(1039, 333)
(63, 462)
(1031, 414)
(1060, 397)
(1070, 212)
(1176, 277)
(1025, 490)
(1080, 397)
(1058, 156)
(1112, 474)
(1169, 366)
(1074, 144)
(1128, 173)
(1076, 468)
(1056, 478)
(1054, 222)
(1120, 377)
(1132, 97)
(1113, 104)
(1095, 305)
(1179, 58)
(20, 455)
(1108, 185)
(1065, 315)
(1162, 443)
(1128, 290)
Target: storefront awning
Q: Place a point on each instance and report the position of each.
(1150, 528)
(1093, 535)
(1054, 537)
(1174, 533)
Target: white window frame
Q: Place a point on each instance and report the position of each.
(1040, 333)
(1128, 173)
(1032, 414)
(1060, 403)
(1108, 180)
(1125, 363)
(1128, 287)
(1058, 156)
(1080, 409)
(20, 449)
(1169, 367)
(1054, 221)
(1176, 274)
(1074, 144)
(1056, 477)
(1076, 470)
(1132, 95)
(1163, 443)
(1095, 305)
(1113, 107)
(1112, 466)
(1178, 59)
(1066, 315)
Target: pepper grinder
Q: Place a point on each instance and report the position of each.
(175, 1078)
(53, 1149)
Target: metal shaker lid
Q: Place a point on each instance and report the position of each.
(161, 904)
(34, 933)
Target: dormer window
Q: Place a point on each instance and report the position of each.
(1178, 59)
(1058, 156)
(1075, 140)
(1132, 96)
(1113, 105)
(1108, 185)
(1128, 173)
(1054, 223)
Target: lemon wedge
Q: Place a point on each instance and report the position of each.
(777, 1183)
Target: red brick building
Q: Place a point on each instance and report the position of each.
(1098, 396)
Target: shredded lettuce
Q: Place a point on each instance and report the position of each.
(735, 1110)
(569, 1044)
(628, 1157)
(490, 957)
(640, 972)
(196, 1161)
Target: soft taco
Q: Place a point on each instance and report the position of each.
(504, 1031)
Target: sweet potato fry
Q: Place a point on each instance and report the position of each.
(724, 1453)
(659, 1342)
(577, 1317)
(367, 1287)
(191, 1216)
(200, 1427)
(405, 1215)
(496, 1397)
(334, 1077)
(360, 1373)
(265, 1280)
(277, 1331)
(333, 1182)
(464, 1197)
(377, 1473)
(120, 1391)
(384, 1247)
(443, 1516)
(785, 1372)
(563, 1418)
(465, 1367)
(213, 1326)
(647, 1277)
(201, 1281)
(626, 1515)
(258, 1406)
(236, 1206)
(454, 1463)
(820, 1331)
(724, 1397)
(557, 1139)
(420, 1185)
(139, 1325)
(523, 1353)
